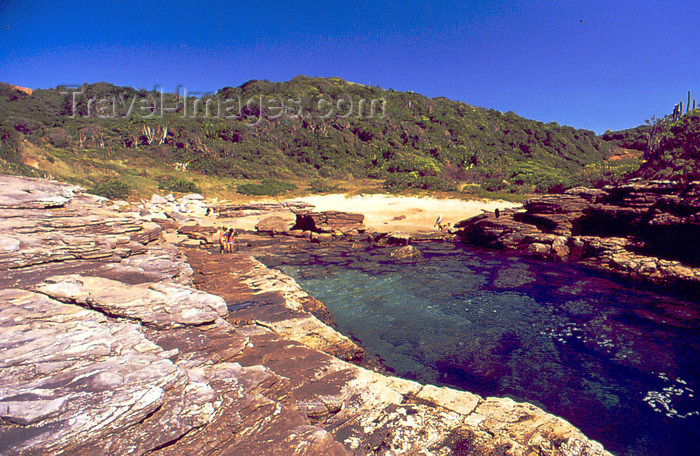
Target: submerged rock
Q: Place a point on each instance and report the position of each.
(406, 252)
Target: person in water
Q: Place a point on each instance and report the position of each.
(497, 212)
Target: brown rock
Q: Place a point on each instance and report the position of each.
(328, 221)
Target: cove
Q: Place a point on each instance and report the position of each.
(617, 360)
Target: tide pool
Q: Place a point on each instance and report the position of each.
(615, 359)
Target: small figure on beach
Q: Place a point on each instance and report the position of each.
(441, 227)
(497, 212)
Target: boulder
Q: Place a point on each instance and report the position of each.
(556, 204)
(321, 238)
(273, 225)
(9, 244)
(328, 221)
(155, 305)
(595, 227)
(157, 199)
(96, 383)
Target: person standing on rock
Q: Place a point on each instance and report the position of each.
(230, 240)
(223, 242)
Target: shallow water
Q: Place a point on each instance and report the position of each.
(619, 363)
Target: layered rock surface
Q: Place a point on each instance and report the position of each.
(107, 348)
(646, 231)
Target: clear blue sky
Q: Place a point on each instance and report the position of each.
(589, 64)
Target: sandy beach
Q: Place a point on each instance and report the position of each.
(405, 214)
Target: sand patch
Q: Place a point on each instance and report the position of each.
(407, 214)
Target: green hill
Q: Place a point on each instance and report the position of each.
(327, 129)
(671, 147)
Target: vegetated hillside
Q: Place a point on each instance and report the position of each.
(671, 147)
(324, 131)
(632, 138)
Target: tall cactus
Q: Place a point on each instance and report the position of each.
(148, 134)
(688, 107)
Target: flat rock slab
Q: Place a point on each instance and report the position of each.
(71, 378)
(153, 304)
(27, 193)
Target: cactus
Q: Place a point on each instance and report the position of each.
(688, 107)
(158, 135)
(148, 134)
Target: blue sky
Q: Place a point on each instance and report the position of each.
(589, 64)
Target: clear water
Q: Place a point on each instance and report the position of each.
(621, 364)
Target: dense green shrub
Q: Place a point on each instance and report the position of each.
(404, 181)
(267, 187)
(178, 185)
(494, 184)
(59, 137)
(114, 189)
(27, 126)
(322, 186)
(9, 144)
(683, 139)
(632, 138)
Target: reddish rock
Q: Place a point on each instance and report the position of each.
(328, 221)
(595, 227)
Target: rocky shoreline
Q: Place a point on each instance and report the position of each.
(645, 231)
(114, 341)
